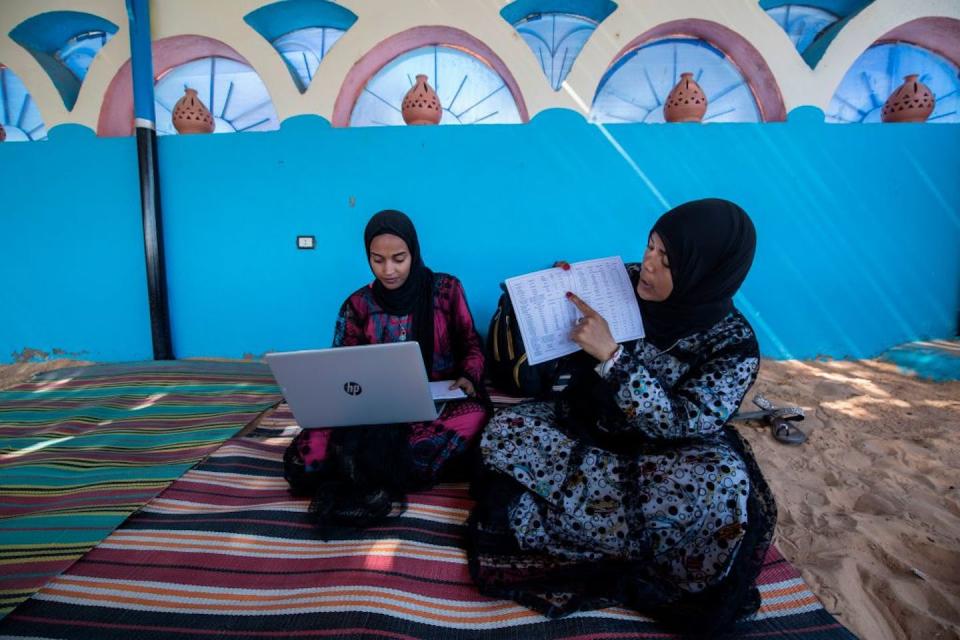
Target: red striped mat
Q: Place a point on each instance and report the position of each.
(225, 551)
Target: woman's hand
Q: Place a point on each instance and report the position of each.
(464, 384)
(592, 332)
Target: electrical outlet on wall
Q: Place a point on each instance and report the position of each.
(306, 242)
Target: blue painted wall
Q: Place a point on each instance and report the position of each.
(859, 225)
(72, 271)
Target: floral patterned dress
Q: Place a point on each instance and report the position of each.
(634, 471)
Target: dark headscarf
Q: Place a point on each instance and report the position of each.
(415, 295)
(710, 246)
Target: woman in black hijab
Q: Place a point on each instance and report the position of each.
(355, 474)
(631, 490)
(414, 296)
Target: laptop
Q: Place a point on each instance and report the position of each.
(362, 385)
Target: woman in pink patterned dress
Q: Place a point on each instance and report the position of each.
(355, 473)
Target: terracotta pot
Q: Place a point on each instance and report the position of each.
(191, 116)
(421, 104)
(911, 102)
(3, 133)
(686, 102)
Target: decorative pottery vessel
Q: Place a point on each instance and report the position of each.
(191, 116)
(686, 102)
(911, 102)
(421, 104)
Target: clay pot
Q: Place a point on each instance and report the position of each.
(421, 104)
(191, 116)
(686, 102)
(3, 133)
(911, 102)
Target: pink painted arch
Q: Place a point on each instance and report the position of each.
(116, 112)
(937, 34)
(743, 55)
(400, 43)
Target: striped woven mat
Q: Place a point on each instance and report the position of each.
(226, 551)
(83, 448)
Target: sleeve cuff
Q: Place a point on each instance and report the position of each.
(604, 367)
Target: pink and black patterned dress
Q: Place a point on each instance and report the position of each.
(457, 352)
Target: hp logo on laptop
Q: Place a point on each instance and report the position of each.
(352, 388)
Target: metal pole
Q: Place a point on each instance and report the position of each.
(144, 118)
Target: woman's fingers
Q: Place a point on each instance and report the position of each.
(584, 308)
(592, 333)
(463, 383)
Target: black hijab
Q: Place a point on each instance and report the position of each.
(710, 246)
(415, 295)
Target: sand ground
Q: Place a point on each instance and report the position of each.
(869, 506)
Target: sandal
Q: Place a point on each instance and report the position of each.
(779, 419)
(784, 431)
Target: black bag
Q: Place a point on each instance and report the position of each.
(507, 364)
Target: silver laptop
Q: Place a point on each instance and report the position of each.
(364, 385)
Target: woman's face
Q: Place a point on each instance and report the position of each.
(390, 260)
(656, 281)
